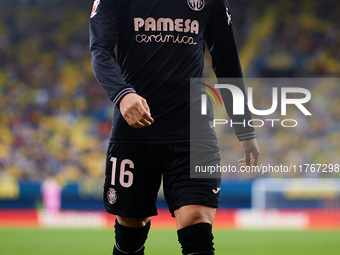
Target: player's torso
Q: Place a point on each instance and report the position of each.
(160, 47)
(165, 36)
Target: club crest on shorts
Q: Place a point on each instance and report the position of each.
(196, 5)
(94, 8)
(111, 196)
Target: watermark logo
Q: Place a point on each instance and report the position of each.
(239, 100)
(204, 97)
(238, 103)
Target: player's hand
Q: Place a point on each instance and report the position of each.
(135, 111)
(251, 153)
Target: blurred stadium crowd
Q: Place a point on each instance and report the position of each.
(55, 118)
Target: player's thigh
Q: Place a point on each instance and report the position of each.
(181, 189)
(132, 180)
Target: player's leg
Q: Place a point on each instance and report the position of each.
(131, 185)
(131, 234)
(193, 201)
(132, 222)
(192, 214)
(194, 224)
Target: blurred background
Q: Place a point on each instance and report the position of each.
(55, 118)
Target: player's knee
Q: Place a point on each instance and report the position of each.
(200, 217)
(133, 222)
(193, 214)
(130, 240)
(197, 239)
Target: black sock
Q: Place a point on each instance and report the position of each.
(197, 239)
(130, 240)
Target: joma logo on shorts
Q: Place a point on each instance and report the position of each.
(166, 24)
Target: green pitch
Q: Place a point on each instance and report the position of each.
(164, 242)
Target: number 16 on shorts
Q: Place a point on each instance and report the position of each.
(125, 176)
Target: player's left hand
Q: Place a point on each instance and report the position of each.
(251, 153)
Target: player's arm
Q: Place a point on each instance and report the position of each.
(220, 40)
(103, 39)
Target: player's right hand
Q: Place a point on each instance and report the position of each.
(135, 111)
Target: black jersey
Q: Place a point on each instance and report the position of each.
(160, 46)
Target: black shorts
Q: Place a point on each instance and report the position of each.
(134, 173)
